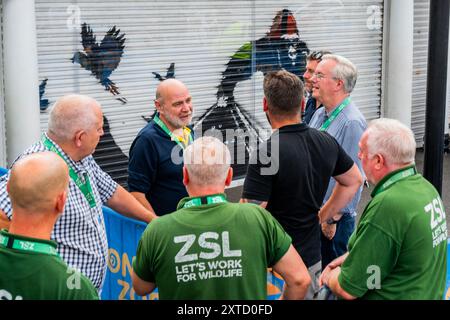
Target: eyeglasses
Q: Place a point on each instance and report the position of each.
(321, 76)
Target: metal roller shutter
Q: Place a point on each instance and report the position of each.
(218, 48)
(420, 60)
(2, 95)
(420, 66)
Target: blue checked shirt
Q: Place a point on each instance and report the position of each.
(80, 230)
(347, 128)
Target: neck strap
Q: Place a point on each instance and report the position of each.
(402, 174)
(335, 113)
(25, 245)
(181, 141)
(82, 182)
(205, 200)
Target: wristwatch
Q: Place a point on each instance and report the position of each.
(332, 221)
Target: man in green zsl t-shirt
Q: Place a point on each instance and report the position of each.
(30, 267)
(399, 248)
(210, 248)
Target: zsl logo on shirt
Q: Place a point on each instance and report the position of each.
(217, 246)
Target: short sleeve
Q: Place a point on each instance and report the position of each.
(364, 263)
(258, 181)
(142, 264)
(142, 165)
(279, 240)
(106, 186)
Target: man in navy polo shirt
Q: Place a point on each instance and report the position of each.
(155, 169)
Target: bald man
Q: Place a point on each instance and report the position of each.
(29, 263)
(74, 130)
(155, 169)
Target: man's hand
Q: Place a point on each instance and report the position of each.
(331, 266)
(328, 230)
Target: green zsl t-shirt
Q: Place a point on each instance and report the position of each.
(399, 248)
(32, 275)
(211, 251)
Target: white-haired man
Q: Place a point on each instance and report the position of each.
(74, 130)
(212, 249)
(333, 81)
(399, 249)
(29, 264)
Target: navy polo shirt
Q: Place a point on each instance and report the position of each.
(152, 171)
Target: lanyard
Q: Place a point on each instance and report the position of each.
(334, 114)
(179, 140)
(205, 200)
(83, 184)
(25, 245)
(396, 177)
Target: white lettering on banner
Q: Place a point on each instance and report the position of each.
(217, 247)
(438, 223)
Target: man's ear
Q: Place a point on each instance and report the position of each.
(185, 176)
(158, 106)
(61, 201)
(229, 178)
(265, 105)
(380, 161)
(78, 137)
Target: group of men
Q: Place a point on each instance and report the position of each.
(296, 214)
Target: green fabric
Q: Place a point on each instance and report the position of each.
(401, 237)
(230, 244)
(27, 275)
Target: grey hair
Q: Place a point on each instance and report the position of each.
(344, 70)
(72, 113)
(392, 139)
(207, 161)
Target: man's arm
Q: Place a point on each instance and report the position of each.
(294, 273)
(4, 221)
(347, 184)
(142, 200)
(124, 203)
(333, 283)
(140, 286)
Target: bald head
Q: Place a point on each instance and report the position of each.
(168, 87)
(73, 113)
(36, 180)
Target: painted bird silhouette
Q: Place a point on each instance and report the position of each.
(101, 59)
(169, 74)
(43, 103)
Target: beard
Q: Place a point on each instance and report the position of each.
(176, 122)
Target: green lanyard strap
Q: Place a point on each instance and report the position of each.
(396, 177)
(83, 184)
(334, 114)
(183, 144)
(205, 200)
(28, 245)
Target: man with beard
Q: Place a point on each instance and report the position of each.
(155, 177)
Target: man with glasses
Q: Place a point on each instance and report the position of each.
(312, 104)
(333, 81)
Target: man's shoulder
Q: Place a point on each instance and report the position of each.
(352, 114)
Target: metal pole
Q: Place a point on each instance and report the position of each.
(20, 76)
(436, 92)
